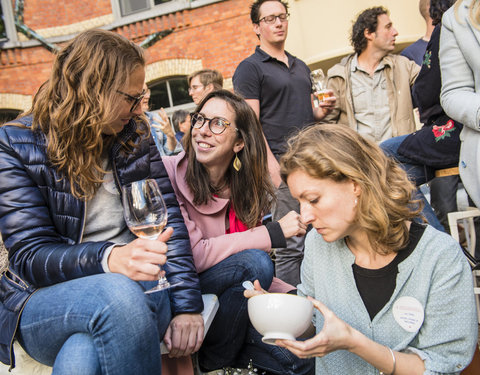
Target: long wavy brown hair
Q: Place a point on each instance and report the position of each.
(251, 188)
(80, 100)
(336, 152)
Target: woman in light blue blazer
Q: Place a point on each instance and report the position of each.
(460, 97)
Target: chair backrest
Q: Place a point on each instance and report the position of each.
(467, 217)
(469, 227)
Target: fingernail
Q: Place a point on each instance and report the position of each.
(248, 285)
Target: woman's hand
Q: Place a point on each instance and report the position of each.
(256, 291)
(140, 258)
(335, 335)
(338, 335)
(292, 225)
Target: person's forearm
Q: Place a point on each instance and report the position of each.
(381, 358)
(171, 142)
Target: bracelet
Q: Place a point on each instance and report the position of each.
(394, 362)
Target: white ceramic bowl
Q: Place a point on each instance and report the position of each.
(280, 316)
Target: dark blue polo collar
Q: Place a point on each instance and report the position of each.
(264, 57)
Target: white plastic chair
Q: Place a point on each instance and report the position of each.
(466, 218)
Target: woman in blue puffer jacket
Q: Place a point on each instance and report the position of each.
(73, 295)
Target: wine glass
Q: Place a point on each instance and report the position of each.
(319, 85)
(146, 215)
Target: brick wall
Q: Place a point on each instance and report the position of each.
(215, 36)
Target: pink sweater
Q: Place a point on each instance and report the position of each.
(206, 225)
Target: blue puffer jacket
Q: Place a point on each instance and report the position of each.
(42, 223)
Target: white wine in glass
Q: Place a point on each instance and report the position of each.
(146, 215)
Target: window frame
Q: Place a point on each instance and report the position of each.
(187, 106)
(10, 29)
(155, 10)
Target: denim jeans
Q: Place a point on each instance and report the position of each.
(274, 359)
(231, 330)
(443, 196)
(100, 324)
(418, 174)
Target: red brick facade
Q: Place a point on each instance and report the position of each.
(219, 35)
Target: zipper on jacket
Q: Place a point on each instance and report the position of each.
(15, 331)
(83, 221)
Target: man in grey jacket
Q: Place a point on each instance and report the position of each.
(372, 85)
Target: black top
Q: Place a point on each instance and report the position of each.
(437, 144)
(427, 87)
(377, 286)
(284, 93)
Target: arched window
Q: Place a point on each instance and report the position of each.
(171, 94)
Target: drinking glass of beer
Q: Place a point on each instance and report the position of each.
(319, 85)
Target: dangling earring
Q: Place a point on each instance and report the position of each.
(237, 164)
(356, 201)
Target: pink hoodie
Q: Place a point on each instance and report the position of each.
(206, 225)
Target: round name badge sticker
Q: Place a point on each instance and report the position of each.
(109, 184)
(408, 313)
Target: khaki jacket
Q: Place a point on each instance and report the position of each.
(400, 76)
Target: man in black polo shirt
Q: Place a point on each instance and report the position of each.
(277, 86)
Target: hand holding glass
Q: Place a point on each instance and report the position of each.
(319, 85)
(146, 215)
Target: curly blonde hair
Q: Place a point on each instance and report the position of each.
(338, 153)
(80, 100)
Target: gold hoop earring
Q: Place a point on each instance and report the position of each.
(237, 164)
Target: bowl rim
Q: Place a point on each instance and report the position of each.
(283, 294)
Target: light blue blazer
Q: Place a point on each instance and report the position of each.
(460, 97)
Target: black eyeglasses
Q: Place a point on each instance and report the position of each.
(271, 19)
(216, 125)
(135, 100)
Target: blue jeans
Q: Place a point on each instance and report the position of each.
(418, 174)
(231, 339)
(100, 324)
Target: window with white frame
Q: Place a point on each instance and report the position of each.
(127, 11)
(3, 30)
(128, 7)
(170, 94)
(8, 32)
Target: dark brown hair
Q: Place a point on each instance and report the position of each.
(366, 20)
(255, 9)
(251, 187)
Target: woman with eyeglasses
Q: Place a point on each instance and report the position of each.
(223, 187)
(73, 294)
